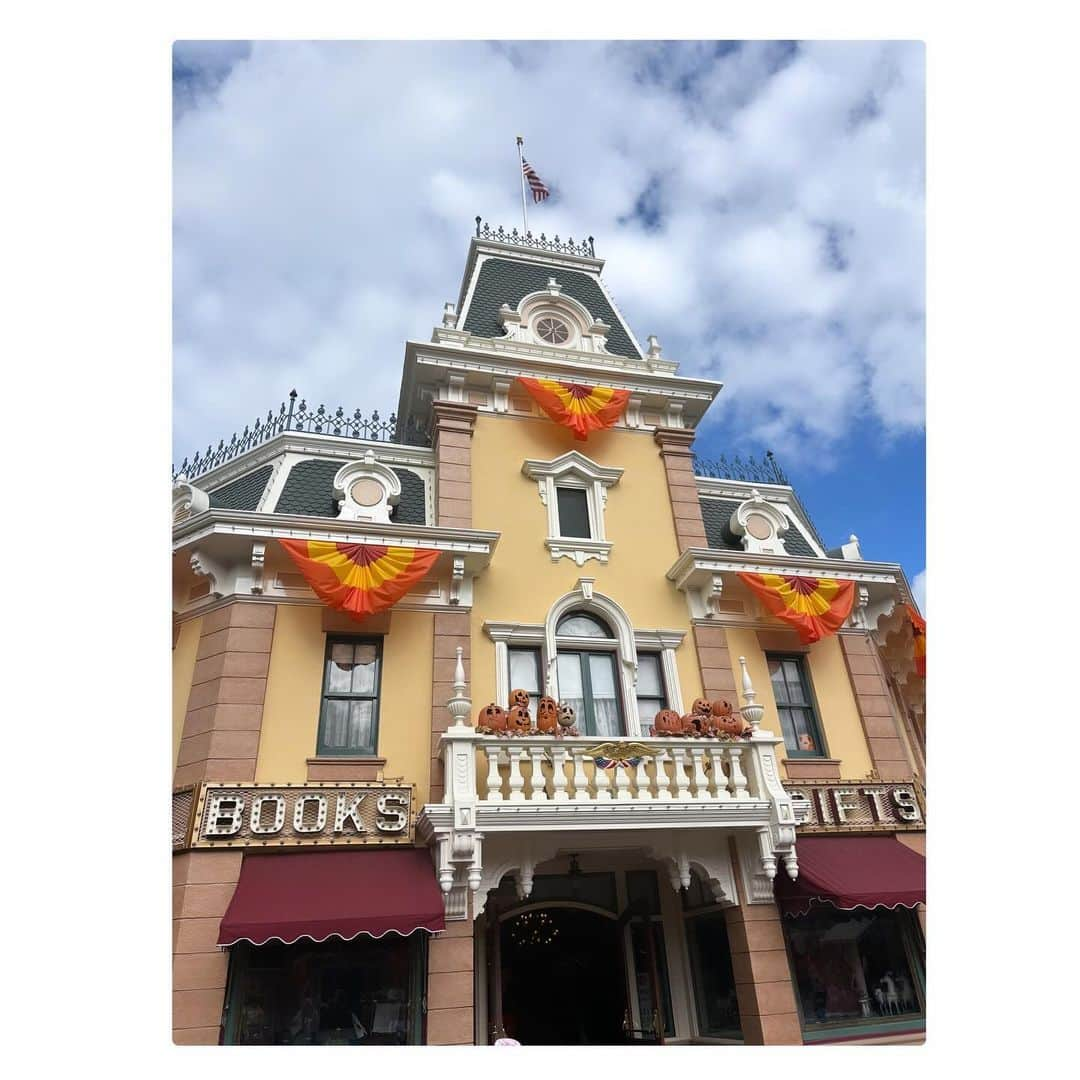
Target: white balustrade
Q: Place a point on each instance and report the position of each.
(542, 768)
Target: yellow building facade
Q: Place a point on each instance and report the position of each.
(364, 854)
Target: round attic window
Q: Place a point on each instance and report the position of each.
(758, 526)
(552, 330)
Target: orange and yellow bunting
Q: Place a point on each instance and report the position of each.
(816, 607)
(918, 633)
(360, 579)
(580, 408)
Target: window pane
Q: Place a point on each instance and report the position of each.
(335, 723)
(776, 674)
(794, 682)
(791, 738)
(573, 512)
(340, 673)
(525, 670)
(579, 625)
(852, 966)
(647, 709)
(649, 683)
(570, 686)
(643, 956)
(605, 706)
(804, 731)
(363, 672)
(361, 714)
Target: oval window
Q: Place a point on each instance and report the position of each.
(552, 330)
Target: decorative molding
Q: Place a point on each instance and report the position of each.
(258, 564)
(760, 524)
(366, 490)
(187, 500)
(457, 576)
(205, 566)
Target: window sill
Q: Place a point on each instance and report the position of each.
(578, 549)
(343, 767)
(811, 768)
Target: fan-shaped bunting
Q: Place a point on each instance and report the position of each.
(580, 408)
(361, 579)
(816, 607)
(918, 632)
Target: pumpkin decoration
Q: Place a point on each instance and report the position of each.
(701, 706)
(720, 708)
(518, 721)
(519, 697)
(492, 718)
(566, 719)
(693, 724)
(547, 716)
(667, 722)
(730, 723)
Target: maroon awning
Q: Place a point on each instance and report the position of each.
(851, 872)
(322, 894)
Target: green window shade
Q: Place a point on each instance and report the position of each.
(573, 512)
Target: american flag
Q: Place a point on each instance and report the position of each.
(539, 189)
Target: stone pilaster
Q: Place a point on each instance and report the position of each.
(875, 706)
(714, 660)
(678, 461)
(220, 739)
(203, 885)
(452, 443)
(451, 631)
(450, 985)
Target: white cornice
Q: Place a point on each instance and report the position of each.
(698, 561)
(218, 522)
(315, 446)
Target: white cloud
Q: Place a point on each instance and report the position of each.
(918, 590)
(324, 195)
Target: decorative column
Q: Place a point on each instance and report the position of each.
(875, 705)
(452, 443)
(678, 461)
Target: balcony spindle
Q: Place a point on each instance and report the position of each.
(738, 777)
(494, 780)
(642, 783)
(622, 782)
(719, 778)
(602, 782)
(537, 787)
(701, 781)
(558, 774)
(682, 781)
(517, 780)
(581, 781)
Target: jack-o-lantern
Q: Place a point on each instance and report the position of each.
(566, 714)
(547, 715)
(667, 722)
(720, 708)
(519, 697)
(692, 724)
(492, 716)
(701, 706)
(730, 724)
(517, 720)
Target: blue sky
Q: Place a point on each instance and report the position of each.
(760, 205)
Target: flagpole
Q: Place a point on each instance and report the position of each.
(521, 174)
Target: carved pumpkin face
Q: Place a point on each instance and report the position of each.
(732, 724)
(701, 706)
(518, 719)
(692, 724)
(492, 716)
(667, 722)
(721, 708)
(566, 715)
(519, 697)
(547, 715)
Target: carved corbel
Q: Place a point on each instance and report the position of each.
(524, 882)
(258, 564)
(859, 619)
(585, 587)
(633, 412)
(712, 600)
(457, 576)
(501, 395)
(213, 571)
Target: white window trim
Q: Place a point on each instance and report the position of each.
(627, 641)
(574, 470)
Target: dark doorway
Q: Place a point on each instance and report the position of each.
(563, 981)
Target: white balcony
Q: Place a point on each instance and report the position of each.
(511, 801)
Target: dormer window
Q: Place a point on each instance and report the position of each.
(574, 491)
(553, 331)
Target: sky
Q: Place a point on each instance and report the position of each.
(760, 207)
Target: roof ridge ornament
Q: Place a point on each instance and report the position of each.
(584, 250)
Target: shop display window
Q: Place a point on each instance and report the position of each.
(860, 967)
(714, 979)
(358, 993)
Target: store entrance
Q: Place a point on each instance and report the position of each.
(563, 978)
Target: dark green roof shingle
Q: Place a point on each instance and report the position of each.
(503, 281)
(243, 493)
(717, 513)
(309, 489)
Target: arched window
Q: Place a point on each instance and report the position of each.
(587, 665)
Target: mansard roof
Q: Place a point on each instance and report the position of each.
(500, 280)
